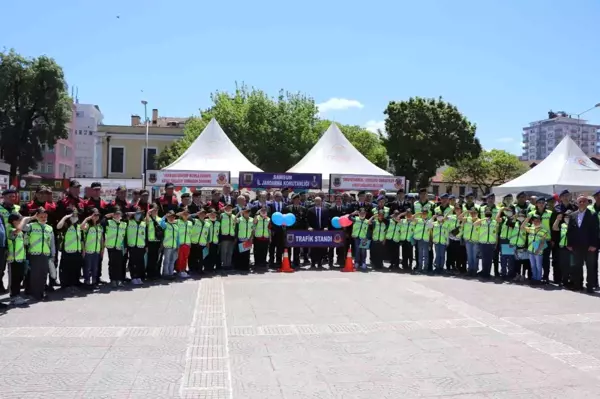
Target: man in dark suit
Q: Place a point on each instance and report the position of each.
(401, 204)
(318, 219)
(582, 240)
(336, 209)
(300, 212)
(277, 238)
(227, 198)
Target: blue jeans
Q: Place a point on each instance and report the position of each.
(169, 259)
(487, 256)
(360, 254)
(422, 254)
(472, 262)
(536, 266)
(90, 268)
(440, 256)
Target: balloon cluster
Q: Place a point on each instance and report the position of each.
(279, 219)
(340, 222)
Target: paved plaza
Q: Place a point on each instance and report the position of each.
(311, 334)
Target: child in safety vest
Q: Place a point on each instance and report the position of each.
(518, 241)
(262, 237)
(440, 237)
(135, 239)
(422, 237)
(212, 260)
(227, 239)
(199, 239)
(537, 235)
(488, 239)
(155, 237)
(245, 234)
(405, 236)
(185, 242)
(456, 260)
(378, 230)
(114, 241)
(470, 235)
(15, 257)
(561, 224)
(170, 243)
(360, 229)
(392, 240)
(71, 259)
(93, 247)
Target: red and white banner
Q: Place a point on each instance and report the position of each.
(186, 178)
(365, 182)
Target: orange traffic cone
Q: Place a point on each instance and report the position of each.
(349, 265)
(285, 263)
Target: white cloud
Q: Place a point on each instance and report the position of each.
(375, 126)
(505, 139)
(337, 104)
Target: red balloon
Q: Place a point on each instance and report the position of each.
(345, 221)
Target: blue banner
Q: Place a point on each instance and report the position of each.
(305, 238)
(303, 181)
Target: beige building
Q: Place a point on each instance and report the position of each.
(119, 150)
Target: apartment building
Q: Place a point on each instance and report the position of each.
(85, 126)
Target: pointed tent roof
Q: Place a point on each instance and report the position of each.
(334, 154)
(213, 151)
(566, 168)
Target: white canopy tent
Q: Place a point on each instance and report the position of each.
(213, 151)
(566, 168)
(334, 154)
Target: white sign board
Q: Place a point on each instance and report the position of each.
(365, 182)
(187, 178)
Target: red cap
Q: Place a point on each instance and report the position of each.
(556, 197)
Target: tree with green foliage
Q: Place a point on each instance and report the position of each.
(35, 109)
(489, 169)
(273, 133)
(425, 134)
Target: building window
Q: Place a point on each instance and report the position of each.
(117, 160)
(151, 164)
(436, 190)
(49, 167)
(462, 190)
(79, 114)
(475, 192)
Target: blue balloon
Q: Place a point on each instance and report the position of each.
(335, 222)
(277, 218)
(289, 219)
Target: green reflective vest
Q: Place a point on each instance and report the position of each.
(197, 225)
(5, 213)
(393, 231)
(227, 225)
(171, 235)
(262, 227)
(488, 231)
(422, 229)
(493, 208)
(470, 232)
(114, 237)
(452, 223)
(205, 233)
(245, 227)
(16, 245)
(215, 231)
(379, 231)
(185, 232)
(535, 238)
(93, 239)
(517, 237)
(40, 236)
(360, 228)
(406, 229)
(386, 211)
(563, 235)
(152, 230)
(545, 217)
(428, 206)
(439, 233)
(73, 238)
(136, 234)
(445, 211)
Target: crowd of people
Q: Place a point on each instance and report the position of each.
(45, 245)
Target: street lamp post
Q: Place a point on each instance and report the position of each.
(145, 103)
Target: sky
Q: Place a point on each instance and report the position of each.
(503, 63)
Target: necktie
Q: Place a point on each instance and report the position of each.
(319, 216)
